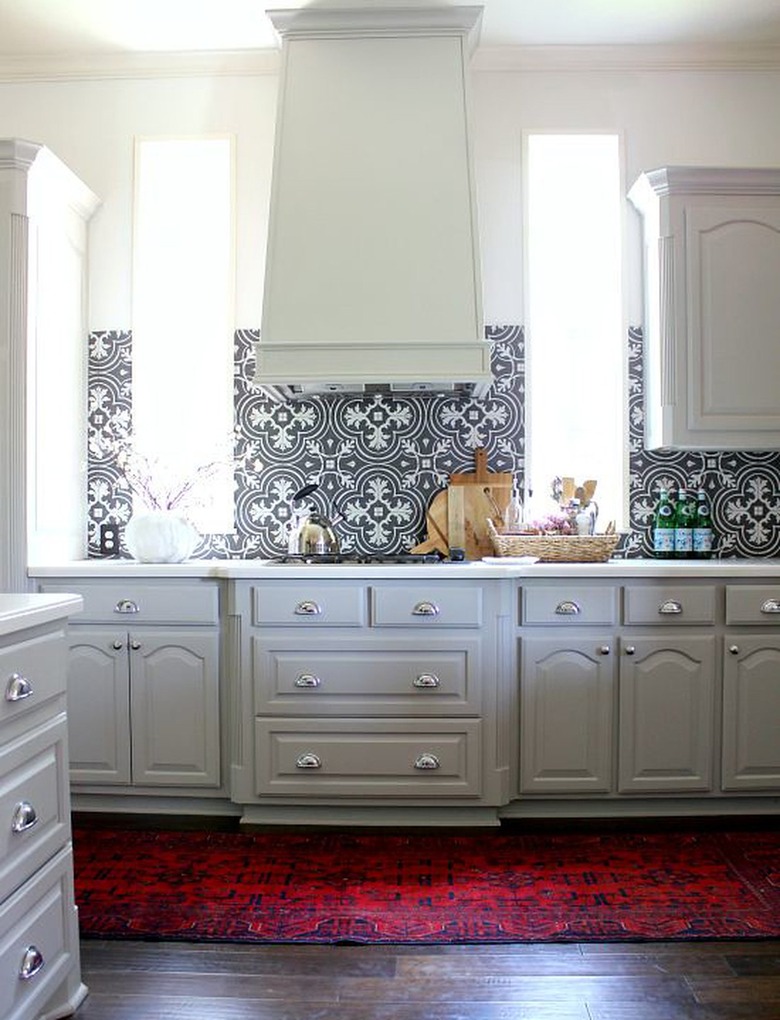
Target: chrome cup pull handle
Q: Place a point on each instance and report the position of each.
(426, 762)
(307, 680)
(126, 606)
(308, 761)
(308, 608)
(18, 688)
(671, 607)
(770, 607)
(568, 608)
(24, 817)
(426, 681)
(32, 962)
(425, 609)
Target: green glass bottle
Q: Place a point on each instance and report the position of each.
(702, 528)
(684, 517)
(663, 527)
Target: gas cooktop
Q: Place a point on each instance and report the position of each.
(365, 558)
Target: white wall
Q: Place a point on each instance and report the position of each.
(706, 117)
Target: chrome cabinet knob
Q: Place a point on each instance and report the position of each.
(126, 606)
(771, 607)
(671, 607)
(427, 761)
(117, 645)
(18, 688)
(135, 644)
(308, 761)
(307, 680)
(24, 817)
(308, 608)
(568, 608)
(604, 650)
(426, 681)
(734, 649)
(630, 650)
(425, 609)
(32, 962)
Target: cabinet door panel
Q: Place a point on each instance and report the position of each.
(98, 706)
(175, 707)
(751, 714)
(667, 687)
(566, 714)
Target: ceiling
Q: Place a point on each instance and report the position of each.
(56, 27)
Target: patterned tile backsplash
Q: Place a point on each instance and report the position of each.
(379, 460)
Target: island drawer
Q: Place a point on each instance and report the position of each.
(565, 605)
(367, 677)
(34, 802)
(129, 603)
(670, 604)
(308, 603)
(368, 757)
(426, 605)
(753, 603)
(31, 672)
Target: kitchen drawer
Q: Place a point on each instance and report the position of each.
(426, 605)
(753, 603)
(368, 758)
(31, 672)
(366, 677)
(308, 603)
(37, 926)
(130, 603)
(565, 605)
(670, 604)
(34, 802)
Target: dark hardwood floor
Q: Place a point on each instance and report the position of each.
(587, 981)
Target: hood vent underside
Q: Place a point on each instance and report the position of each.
(372, 272)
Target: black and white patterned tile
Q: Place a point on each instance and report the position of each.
(379, 460)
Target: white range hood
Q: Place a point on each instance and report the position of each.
(372, 273)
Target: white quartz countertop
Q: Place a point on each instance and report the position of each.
(238, 569)
(23, 610)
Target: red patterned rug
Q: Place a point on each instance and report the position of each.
(434, 888)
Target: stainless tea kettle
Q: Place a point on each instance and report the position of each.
(311, 533)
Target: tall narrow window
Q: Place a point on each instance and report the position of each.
(182, 315)
(574, 316)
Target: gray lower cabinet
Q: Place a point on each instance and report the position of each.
(143, 686)
(666, 701)
(369, 693)
(751, 712)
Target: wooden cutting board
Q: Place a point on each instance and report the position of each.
(456, 517)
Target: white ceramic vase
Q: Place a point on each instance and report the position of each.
(160, 536)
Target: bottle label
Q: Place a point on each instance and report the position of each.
(683, 540)
(663, 540)
(702, 540)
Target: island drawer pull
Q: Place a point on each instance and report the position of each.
(671, 607)
(425, 609)
(568, 608)
(24, 817)
(426, 680)
(18, 688)
(32, 962)
(307, 680)
(308, 761)
(770, 607)
(126, 606)
(308, 608)
(427, 761)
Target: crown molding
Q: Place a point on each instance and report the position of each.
(630, 57)
(99, 66)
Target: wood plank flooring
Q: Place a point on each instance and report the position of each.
(588, 981)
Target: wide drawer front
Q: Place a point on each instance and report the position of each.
(131, 603)
(670, 604)
(426, 605)
(34, 805)
(308, 603)
(569, 604)
(753, 603)
(31, 672)
(368, 758)
(36, 932)
(359, 678)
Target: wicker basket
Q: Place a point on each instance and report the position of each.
(554, 548)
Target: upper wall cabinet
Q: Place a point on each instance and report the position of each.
(712, 293)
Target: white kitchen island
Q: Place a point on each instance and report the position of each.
(456, 693)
